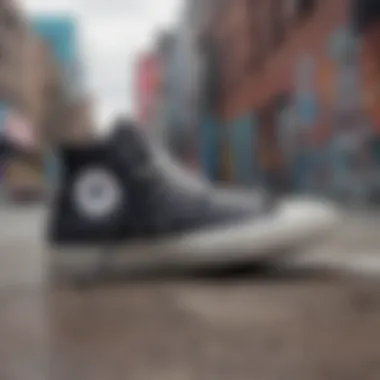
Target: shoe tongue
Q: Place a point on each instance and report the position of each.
(131, 139)
(132, 142)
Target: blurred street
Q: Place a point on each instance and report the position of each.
(282, 326)
(283, 96)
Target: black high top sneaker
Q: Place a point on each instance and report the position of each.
(123, 203)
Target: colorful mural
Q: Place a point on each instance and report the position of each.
(322, 122)
(321, 133)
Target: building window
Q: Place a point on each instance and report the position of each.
(305, 8)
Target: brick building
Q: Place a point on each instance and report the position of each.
(39, 80)
(30, 76)
(12, 45)
(147, 87)
(31, 85)
(288, 73)
(260, 44)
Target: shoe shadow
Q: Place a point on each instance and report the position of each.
(252, 272)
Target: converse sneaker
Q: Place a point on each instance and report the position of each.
(124, 203)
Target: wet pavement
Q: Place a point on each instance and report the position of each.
(237, 327)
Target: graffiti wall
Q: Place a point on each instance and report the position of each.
(335, 104)
(322, 132)
(330, 114)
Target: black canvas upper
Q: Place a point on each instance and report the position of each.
(161, 198)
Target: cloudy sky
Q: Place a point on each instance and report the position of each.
(112, 33)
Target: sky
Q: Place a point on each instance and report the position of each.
(112, 33)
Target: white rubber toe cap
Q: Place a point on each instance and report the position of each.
(309, 215)
(293, 224)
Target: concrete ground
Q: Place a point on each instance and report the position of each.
(284, 326)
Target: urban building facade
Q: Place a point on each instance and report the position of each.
(37, 85)
(17, 97)
(12, 41)
(25, 174)
(12, 34)
(167, 86)
(184, 133)
(204, 85)
(291, 88)
(69, 116)
(61, 34)
(147, 82)
(180, 84)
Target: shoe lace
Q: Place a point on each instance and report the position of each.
(152, 162)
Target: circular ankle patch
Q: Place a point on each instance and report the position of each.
(97, 193)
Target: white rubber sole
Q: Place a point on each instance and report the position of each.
(293, 226)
